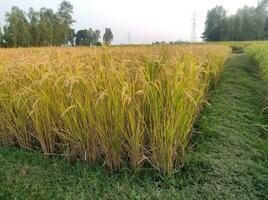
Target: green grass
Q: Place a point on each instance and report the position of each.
(228, 161)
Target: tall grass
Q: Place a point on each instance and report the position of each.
(259, 54)
(117, 106)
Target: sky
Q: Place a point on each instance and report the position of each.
(141, 21)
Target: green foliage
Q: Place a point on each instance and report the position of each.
(87, 37)
(216, 24)
(66, 20)
(34, 20)
(108, 36)
(39, 28)
(46, 28)
(249, 23)
(17, 29)
(1, 38)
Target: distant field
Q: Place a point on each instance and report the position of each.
(228, 158)
(117, 106)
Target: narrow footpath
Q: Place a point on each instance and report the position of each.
(231, 155)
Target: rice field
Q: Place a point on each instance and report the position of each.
(259, 54)
(117, 106)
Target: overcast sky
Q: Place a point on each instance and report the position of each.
(146, 20)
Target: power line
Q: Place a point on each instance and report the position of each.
(153, 36)
(129, 38)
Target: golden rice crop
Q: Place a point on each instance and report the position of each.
(117, 106)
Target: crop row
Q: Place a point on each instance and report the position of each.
(116, 106)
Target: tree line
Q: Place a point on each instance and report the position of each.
(249, 23)
(47, 28)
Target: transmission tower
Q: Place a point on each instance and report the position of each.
(129, 38)
(193, 35)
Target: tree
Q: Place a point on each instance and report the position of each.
(249, 23)
(91, 34)
(1, 38)
(266, 29)
(262, 5)
(34, 20)
(96, 37)
(46, 26)
(261, 18)
(234, 28)
(39, 28)
(65, 16)
(108, 36)
(82, 38)
(71, 36)
(216, 25)
(17, 29)
(87, 37)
